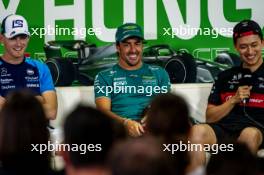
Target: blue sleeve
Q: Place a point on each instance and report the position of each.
(46, 83)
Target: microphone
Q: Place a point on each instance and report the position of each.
(246, 80)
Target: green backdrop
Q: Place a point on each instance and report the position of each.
(157, 17)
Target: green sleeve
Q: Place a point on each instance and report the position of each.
(165, 81)
(101, 86)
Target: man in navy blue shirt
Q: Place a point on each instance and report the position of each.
(18, 72)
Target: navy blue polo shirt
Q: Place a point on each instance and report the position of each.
(30, 74)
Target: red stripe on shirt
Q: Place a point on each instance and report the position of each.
(256, 99)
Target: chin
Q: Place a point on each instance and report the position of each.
(18, 56)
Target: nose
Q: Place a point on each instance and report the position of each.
(132, 48)
(18, 41)
(250, 50)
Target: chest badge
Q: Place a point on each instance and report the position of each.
(30, 72)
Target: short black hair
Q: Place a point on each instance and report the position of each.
(168, 116)
(87, 125)
(23, 123)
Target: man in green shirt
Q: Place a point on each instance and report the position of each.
(125, 90)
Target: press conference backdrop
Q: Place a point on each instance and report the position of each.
(201, 27)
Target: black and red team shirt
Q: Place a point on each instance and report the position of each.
(226, 86)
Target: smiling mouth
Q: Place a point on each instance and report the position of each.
(18, 49)
(132, 56)
(252, 57)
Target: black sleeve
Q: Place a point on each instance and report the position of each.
(214, 97)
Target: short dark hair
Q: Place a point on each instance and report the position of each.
(240, 161)
(87, 125)
(22, 123)
(140, 156)
(168, 116)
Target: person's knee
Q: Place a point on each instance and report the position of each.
(202, 133)
(251, 135)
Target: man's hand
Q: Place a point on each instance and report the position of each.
(215, 113)
(242, 92)
(134, 128)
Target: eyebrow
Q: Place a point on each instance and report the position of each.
(137, 41)
(254, 42)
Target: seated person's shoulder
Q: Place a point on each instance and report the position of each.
(229, 72)
(36, 63)
(108, 72)
(104, 77)
(154, 68)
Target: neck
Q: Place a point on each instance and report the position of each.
(12, 60)
(127, 67)
(255, 67)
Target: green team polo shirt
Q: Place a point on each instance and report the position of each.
(131, 91)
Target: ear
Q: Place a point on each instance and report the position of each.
(236, 47)
(118, 48)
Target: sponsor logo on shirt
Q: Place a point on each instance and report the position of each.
(133, 75)
(32, 85)
(153, 68)
(261, 85)
(148, 77)
(260, 78)
(112, 72)
(256, 99)
(3, 72)
(120, 83)
(6, 80)
(34, 79)
(119, 78)
(30, 72)
(149, 80)
(8, 87)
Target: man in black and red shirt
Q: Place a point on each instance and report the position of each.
(236, 104)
